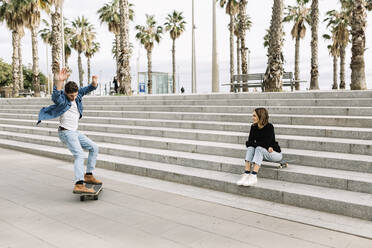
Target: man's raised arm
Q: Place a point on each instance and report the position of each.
(62, 76)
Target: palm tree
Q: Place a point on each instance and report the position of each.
(232, 8)
(148, 35)
(82, 36)
(274, 70)
(32, 22)
(21, 78)
(110, 14)
(314, 73)
(237, 34)
(299, 15)
(125, 51)
(56, 37)
(12, 13)
(241, 25)
(266, 39)
(46, 32)
(46, 36)
(244, 24)
(339, 21)
(358, 28)
(334, 51)
(175, 24)
(90, 51)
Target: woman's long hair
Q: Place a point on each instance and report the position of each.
(263, 116)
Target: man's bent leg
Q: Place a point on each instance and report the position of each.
(92, 147)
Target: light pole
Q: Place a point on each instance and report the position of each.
(215, 71)
(62, 38)
(193, 67)
(47, 69)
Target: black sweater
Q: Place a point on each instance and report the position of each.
(264, 137)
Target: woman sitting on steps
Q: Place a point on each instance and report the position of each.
(261, 146)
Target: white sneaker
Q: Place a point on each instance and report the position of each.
(244, 178)
(252, 180)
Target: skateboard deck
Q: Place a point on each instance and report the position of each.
(97, 187)
(281, 164)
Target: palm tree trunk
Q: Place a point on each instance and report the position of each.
(358, 28)
(35, 62)
(274, 70)
(15, 63)
(297, 62)
(243, 49)
(231, 51)
(174, 65)
(88, 68)
(80, 67)
(238, 57)
(335, 69)
(117, 54)
(56, 44)
(342, 68)
(149, 71)
(125, 53)
(21, 79)
(314, 84)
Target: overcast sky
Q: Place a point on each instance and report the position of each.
(260, 12)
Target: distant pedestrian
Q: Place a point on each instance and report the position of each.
(115, 82)
(182, 90)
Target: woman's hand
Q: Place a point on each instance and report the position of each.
(270, 149)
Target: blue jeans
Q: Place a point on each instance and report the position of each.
(76, 142)
(258, 154)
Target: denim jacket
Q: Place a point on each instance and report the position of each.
(62, 104)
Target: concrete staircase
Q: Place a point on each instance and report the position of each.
(200, 140)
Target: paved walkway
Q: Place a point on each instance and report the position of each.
(38, 209)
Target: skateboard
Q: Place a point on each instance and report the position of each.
(97, 187)
(281, 164)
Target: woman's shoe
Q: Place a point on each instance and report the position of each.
(244, 178)
(252, 180)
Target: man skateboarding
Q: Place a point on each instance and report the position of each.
(69, 108)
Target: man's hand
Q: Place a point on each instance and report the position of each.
(94, 81)
(63, 74)
(270, 149)
(61, 77)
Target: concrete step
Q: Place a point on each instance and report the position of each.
(342, 179)
(207, 135)
(295, 110)
(241, 95)
(346, 102)
(300, 130)
(353, 204)
(350, 146)
(347, 180)
(344, 121)
(162, 152)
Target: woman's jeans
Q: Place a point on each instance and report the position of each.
(258, 154)
(76, 142)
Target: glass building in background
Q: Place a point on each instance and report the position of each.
(162, 83)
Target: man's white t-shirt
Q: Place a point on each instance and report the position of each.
(70, 119)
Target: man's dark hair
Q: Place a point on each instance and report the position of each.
(71, 87)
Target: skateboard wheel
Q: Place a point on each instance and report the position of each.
(95, 197)
(82, 198)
